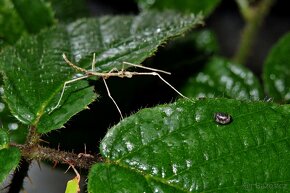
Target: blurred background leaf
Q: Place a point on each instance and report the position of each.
(222, 78)
(192, 6)
(19, 17)
(277, 71)
(70, 10)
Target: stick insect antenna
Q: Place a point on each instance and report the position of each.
(154, 73)
(73, 65)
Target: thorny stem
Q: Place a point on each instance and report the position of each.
(31, 150)
(254, 17)
(38, 152)
(33, 137)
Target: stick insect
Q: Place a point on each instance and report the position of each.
(112, 73)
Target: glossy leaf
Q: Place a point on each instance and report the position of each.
(277, 71)
(193, 6)
(33, 76)
(17, 131)
(9, 159)
(180, 148)
(221, 78)
(34, 71)
(18, 17)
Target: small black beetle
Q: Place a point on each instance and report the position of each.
(222, 118)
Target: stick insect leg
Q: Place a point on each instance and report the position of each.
(94, 63)
(161, 78)
(109, 94)
(155, 73)
(63, 89)
(147, 68)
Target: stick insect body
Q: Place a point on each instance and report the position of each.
(114, 72)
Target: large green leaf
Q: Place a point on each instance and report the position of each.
(17, 131)
(221, 78)
(33, 74)
(19, 17)
(194, 6)
(277, 71)
(180, 147)
(34, 71)
(9, 159)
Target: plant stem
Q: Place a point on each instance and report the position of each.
(81, 160)
(254, 17)
(33, 137)
(31, 150)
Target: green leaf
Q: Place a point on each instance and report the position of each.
(18, 17)
(4, 139)
(36, 14)
(277, 71)
(205, 41)
(69, 10)
(11, 25)
(34, 71)
(17, 131)
(180, 148)
(221, 78)
(73, 186)
(193, 6)
(9, 159)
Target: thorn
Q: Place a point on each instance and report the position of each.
(54, 164)
(38, 163)
(70, 165)
(30, 180)
(41, 140)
